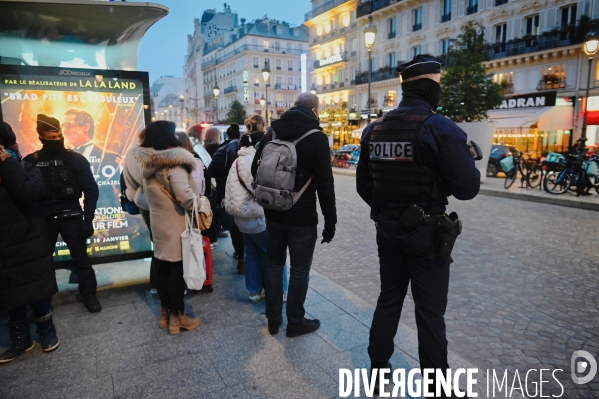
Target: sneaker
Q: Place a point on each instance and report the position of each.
(213, 246)
(284, 297)
(256, 297)
(91, 302)
(307, 327)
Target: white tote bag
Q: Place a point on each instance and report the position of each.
(194, 272)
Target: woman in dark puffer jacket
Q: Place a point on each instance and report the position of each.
(27, 274)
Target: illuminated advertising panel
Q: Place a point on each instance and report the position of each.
(102, 113)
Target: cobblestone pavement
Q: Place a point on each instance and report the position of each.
(524, 282)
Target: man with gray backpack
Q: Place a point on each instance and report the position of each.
(290, 167)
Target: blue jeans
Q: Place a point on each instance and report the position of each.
(301, 241)
(256, 262)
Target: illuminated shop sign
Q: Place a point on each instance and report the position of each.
(332, 60)
(530, 100)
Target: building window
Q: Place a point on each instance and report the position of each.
(417, 15)
(391, 28)
(532, 25)
(416, 50)
(266, 45)
(391, 59)
(390, 98)
(299, 48)
(445, 43)
(278, 64)
(256, 63)
(500, 33)
(554, 77)
(277, 46)
(289, 48)
(472, 7)
(568, 15)
(500, 2)
(266, 61)
(290, 65)
(506, 80)
(446, 11)
(278, 80)
(352, 74)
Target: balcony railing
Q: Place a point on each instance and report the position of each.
(551, 82)
(323, 8)
(529, 44)
(391, 35)
(250, 47)
(416, 27)
(230, 89)
(368, 6)
(446, 17)
(472, 9)
(381, 74)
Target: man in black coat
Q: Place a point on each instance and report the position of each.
(296, 228)
(67, 176)
(26, 268)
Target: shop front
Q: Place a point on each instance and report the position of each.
(593, 123)
(535, 123)
(335, 122)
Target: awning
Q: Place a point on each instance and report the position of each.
(545, 118)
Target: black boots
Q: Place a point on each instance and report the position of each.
(308, 326)
(91, 302)
(46, 332)
(20, 339)
(376, 381)
(273, 326)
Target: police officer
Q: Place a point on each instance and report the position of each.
(411, 161)
(67, 175)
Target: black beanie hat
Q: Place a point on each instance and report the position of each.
(7, 136)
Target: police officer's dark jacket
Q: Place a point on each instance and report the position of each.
(313, 160)
(67, 175)
(441, 158)
(26, 265)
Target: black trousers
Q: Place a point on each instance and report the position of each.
(69, 230)
(145, 215)
(171, 286)
(429, 277)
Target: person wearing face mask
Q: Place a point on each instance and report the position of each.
(411, 161)
(67, 176)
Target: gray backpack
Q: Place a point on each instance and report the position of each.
(275, 178)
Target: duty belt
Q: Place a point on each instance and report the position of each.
(65, 214)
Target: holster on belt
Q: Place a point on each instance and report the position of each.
(449, 228)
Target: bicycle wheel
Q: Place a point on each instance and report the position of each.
(510, 178)
(534, 177)
(557, 183)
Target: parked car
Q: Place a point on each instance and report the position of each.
(498, 152)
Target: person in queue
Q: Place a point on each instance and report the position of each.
(219, 169)
(26, 265)
(67, 177)
(170, 189)
(248, 215)
(411, 161)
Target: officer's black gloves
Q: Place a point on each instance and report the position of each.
(328, 233)
(86, 229)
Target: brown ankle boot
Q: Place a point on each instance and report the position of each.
(174, 324)
(188, 323)
(163, 320)
(241, 266)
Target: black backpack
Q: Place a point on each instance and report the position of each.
(128, 206)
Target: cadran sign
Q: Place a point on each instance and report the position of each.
(530, 100)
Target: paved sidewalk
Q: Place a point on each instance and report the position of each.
(121, 353)
(494, 187)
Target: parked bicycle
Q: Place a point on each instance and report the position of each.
(575, 173)
(524, 165)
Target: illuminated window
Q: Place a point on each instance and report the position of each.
(506, 79)
(266, 44)
(390, 98)
(554, 77)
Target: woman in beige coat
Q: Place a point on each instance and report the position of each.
(169, 188)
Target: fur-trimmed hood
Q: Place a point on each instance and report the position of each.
(152, 160)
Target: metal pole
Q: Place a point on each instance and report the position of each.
(583, 135)
(216, 110)
(266, 86)
(369, 81)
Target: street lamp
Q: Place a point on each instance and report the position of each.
(369, 38)
(216, 91)
(313, 89)
(266, 77)
(181, 100)
(590, 48)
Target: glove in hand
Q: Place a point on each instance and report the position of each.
(86, 229)
(328, 233)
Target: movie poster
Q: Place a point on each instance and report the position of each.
(101, 115)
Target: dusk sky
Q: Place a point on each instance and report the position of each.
(165, 44)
